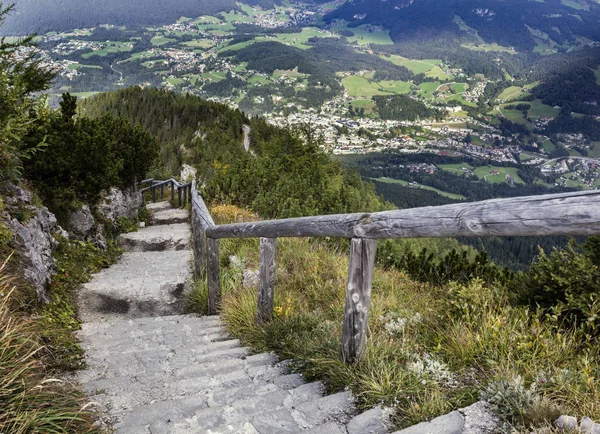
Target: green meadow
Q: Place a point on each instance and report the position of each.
(424, 187)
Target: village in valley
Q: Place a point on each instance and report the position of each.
(197, 55)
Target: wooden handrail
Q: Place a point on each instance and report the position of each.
(181, 187)
(575, 213)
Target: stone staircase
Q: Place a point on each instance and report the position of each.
(152, 370)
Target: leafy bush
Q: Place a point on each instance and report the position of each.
(21, 106)
(566, 283)
(445, 266)
(85, 156)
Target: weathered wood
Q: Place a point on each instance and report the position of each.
(199, 245)
(214, 278)
(358, 298)
(205, 217)
(172, 191)
(266, 279)
(185, 196)
(162, 191)
(576, 213)
(153, 194)
(179, 197)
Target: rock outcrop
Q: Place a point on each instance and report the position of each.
(81, 223)
(32, 237)
(118, 203)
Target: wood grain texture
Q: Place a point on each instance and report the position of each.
(205, 218)
(199, 245)
(214, 276)
(266, 279)
(358, 299)
(576, 213)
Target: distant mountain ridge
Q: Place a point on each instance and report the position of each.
(520, 24)
(42, 16)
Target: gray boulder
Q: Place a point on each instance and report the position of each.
(34, 243)
(117, 203)
(81, 222)
(250, 278)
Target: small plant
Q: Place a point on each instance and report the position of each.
(515, 403)
(125, 225)
(509, 398)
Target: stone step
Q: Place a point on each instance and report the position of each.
(164, 359)
(170, 216)
(337, 408)
(149, 323)
(140, 284)
(264, 404)
(158, 206)
(148, 375)
(133, 340)
(476, 418)
(156, 238)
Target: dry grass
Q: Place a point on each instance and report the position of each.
(30, 401)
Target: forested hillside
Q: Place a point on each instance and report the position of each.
(285, 174)
(51, 15)
(506, 23)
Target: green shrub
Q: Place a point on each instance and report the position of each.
(440, 266)
(85, 156)
(566, 283)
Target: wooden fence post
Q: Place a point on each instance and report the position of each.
(172, 191)
(179, 197)
(266, 279)
(358, 298)
(185, 197)
(153, 194)
(162, 191)
(199, 248)
(214, 277)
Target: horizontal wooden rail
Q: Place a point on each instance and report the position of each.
(576, 213)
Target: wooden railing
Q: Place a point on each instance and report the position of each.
(557, 214)
(184, 191)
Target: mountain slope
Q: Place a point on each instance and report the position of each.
(59, 15)
(520, 24)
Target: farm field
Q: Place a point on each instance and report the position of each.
(110, 47)
(75, 66)
(257, 78)
(428, 88)
(497, 174)
(161, 40)
(199, 43)
(415, 66)
(300, 40)
(456, 168)
(424, 187)
(366, 104)
(395, 86)
(511, 93)
(364, 37)
(489, 47)
(540, 109)
(361, 87)
(548, 146)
